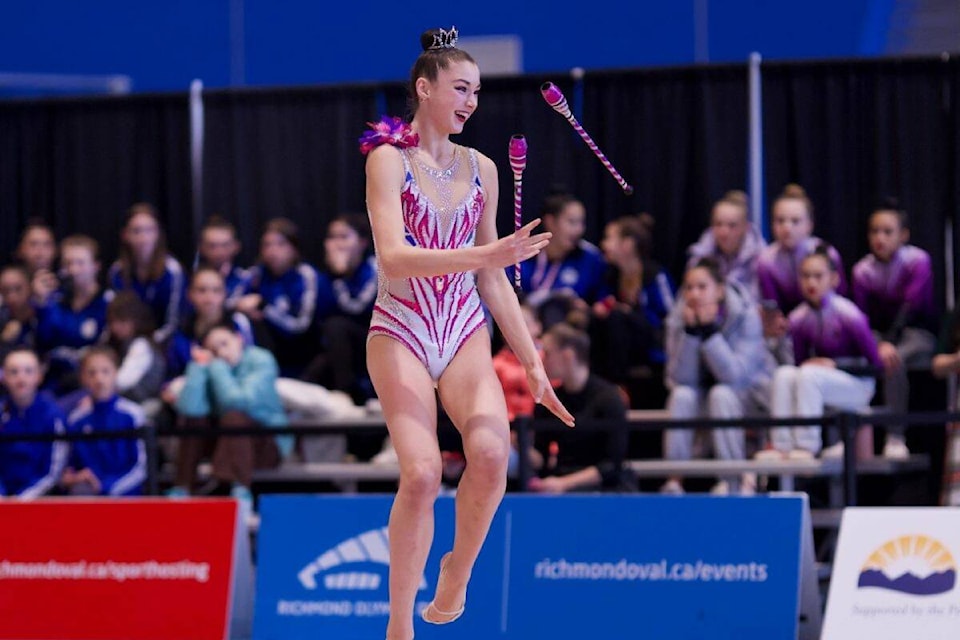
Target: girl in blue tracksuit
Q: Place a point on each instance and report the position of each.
(626, 328)
(28, 469)
(570, 270)
(147, 268)
(207, 296)
(218, 248)
(18, 318)
(285, 293)
(72, 319)
(351, 283)
(109, 467)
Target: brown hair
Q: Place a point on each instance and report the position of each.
(569, 337)
(429, 64)
(286, 228)
(127, 305)
(219, 222)
(639, 227)
(99, 350)
(712, 267)
(556, 201)
(84, 242)
(158, 261)
(735, 197)
(793, 191)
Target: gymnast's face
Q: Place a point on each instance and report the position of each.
(451, 99)
(729, 225)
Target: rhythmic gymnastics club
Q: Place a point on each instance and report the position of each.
(554, 97)
(518, 162)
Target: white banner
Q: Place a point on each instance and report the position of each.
(895, 575)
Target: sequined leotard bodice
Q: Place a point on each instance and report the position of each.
(433, 317)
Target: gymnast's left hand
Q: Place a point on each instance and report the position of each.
(543, 393)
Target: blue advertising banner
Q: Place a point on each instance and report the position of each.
(591, 566)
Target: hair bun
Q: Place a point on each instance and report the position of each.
(433, 39)
(793, 190)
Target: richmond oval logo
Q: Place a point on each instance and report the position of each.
(918, 565)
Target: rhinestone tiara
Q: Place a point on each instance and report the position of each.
(445, 39)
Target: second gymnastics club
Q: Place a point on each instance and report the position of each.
(518, 162)
(554, 97)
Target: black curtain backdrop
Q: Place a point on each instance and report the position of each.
(850, 132)
(291, 153)
(79, 164)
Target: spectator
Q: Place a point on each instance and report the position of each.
(351, 278)
(569, 272)
(283, 293)
(836, 356)
(511, 372)
(572, 460)
(18, 321)
(717, 367)
(28, 469)
(129, 331)
(37, 249)
(947, 360)
(732, 241)
(72, 313)
(218, 249)
(893, 285)
(207, 296)
(146, 267)
(113, 466)
(232, 384)
(626, 328)
(779, 263)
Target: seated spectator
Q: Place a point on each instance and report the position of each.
(28, 469)
(230, 384)
(511, 372)
(145, 267)
(109, 467)
(778, 267)
(283, 293)
(129, 334)
(207, 296)
(218, 249)
(836, 356)
(717, 367)
(579, 459)
(732, 241)
(37, 249)
(18, 321)
(893, 285)
(351, 278)
(71, 314)
(569, 273)
(626, 327)
(947, 360)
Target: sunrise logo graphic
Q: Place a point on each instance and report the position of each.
(918, 565)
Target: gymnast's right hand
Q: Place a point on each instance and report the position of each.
(518, 246)
(544, 394)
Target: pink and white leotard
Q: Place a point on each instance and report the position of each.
(433, 317)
